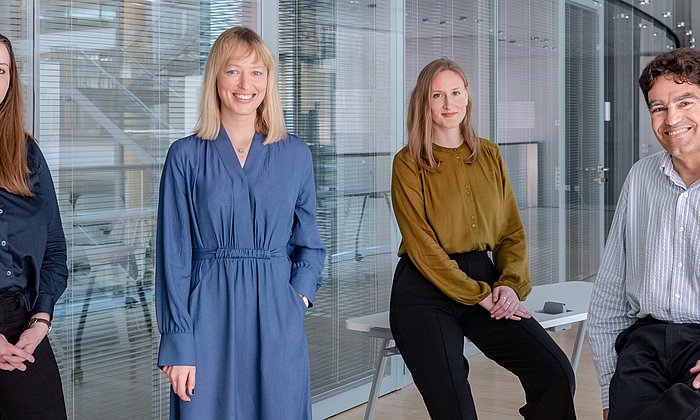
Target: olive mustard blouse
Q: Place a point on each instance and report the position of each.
(460, 208)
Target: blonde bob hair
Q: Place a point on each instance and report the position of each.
(236, 43)
(420, 120)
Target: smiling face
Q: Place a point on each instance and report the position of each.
(675, 115)
(4, 72)
(448, 101)
(241, 85)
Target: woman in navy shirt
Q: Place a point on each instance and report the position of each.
(33, 271)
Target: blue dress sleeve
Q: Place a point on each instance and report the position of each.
(173, 264)
(53, 275)
(306, 250)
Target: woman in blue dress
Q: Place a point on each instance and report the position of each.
(239, 255)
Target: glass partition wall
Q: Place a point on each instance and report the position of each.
(109, 85)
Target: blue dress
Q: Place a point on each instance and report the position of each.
(235, 249)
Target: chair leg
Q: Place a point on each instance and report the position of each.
(377, 381)
(144, 306)
(78, 369)
(578, 344)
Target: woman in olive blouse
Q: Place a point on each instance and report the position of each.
(454, 203)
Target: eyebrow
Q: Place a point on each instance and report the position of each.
(448, 90)
(682, 97)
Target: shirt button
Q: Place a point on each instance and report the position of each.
(3, 243)
(2, 211)
(677, 296)
(681, 229)
(680, 265)
(473, 217)
(684, 195)
(468, 193)
(473, 225)
(9, 273)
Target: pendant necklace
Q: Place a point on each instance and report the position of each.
(241, 150)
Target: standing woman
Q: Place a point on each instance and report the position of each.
(33, 271)
(239, 255)
(454, 203)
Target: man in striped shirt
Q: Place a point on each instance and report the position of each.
(645, 310)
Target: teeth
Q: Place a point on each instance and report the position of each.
(679, 131)
(249, 96)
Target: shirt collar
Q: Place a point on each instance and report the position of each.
(666, 166)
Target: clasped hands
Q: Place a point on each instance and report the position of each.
(16, 356)
(503, 302)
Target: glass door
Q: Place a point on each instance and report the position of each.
(585, 175)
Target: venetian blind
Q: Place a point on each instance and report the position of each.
(527, 67)
(334, 81)
(583, 102)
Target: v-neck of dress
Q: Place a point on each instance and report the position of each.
(228, 155)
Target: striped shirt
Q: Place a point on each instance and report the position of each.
(651, 263)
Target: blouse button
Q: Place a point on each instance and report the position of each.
(9, 273)
(473, 217)
(3, 243)
(2, 211)
(473, 225)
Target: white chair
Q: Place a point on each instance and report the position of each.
(576, 295)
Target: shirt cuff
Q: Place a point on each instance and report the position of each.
(304, 281)
(176, 349)
(44, 303)
(605, 396)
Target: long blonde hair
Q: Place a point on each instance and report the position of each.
(234, 43)
(14, 169)
(420, 120)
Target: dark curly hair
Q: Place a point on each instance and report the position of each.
(683, 64)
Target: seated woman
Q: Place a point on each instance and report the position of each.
(454, 203)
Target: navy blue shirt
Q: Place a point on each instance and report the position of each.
(32, 245)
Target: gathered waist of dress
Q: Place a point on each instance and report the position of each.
(238, 253)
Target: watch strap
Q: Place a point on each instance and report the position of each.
(34, 320)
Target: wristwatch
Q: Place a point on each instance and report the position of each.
(34, 320)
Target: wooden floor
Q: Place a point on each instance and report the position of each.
(497, 392)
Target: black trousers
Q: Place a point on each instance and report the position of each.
(36, 393)
(429, 330)
(652, 379)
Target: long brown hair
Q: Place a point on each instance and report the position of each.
(240, 42)
(13, 136)
(420, 120)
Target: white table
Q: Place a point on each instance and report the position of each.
(575, 294)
